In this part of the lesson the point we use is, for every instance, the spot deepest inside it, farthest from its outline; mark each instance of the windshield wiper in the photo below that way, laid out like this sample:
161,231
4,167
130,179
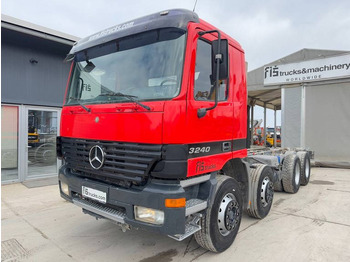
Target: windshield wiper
130,97
77,100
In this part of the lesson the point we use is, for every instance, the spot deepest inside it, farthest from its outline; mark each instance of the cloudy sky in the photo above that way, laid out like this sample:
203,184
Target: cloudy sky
267,30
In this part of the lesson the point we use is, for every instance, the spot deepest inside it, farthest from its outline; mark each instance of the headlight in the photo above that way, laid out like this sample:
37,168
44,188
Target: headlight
64,188
149,215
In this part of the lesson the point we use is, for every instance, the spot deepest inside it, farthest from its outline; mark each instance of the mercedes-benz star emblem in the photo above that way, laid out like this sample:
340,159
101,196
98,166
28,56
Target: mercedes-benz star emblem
96,157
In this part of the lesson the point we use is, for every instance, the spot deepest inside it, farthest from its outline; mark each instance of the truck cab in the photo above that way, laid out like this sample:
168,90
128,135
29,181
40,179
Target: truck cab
155,110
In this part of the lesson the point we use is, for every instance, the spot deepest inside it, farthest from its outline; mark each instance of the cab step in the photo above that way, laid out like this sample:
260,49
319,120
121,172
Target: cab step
100,210
195,205
190,228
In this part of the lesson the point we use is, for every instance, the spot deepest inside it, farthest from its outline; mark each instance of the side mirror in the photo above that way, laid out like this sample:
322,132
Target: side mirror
223,65
89,66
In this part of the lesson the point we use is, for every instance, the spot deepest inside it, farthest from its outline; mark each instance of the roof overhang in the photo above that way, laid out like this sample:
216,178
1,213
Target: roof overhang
24,27
270,98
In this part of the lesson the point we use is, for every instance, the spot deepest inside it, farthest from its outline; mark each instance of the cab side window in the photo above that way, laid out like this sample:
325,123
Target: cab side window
203,85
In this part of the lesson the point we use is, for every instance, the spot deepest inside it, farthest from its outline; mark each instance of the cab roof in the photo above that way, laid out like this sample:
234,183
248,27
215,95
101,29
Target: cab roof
178,18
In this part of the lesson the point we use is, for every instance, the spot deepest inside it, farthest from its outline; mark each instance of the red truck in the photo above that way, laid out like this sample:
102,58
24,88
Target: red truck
154,132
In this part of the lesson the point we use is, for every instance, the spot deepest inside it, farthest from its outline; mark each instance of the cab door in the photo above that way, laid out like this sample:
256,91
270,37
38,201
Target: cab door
216,125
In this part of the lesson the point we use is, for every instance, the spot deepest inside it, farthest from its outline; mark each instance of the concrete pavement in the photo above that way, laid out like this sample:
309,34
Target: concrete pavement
312,225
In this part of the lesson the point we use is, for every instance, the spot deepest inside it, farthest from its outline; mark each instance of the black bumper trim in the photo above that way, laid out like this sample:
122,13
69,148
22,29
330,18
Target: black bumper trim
152,195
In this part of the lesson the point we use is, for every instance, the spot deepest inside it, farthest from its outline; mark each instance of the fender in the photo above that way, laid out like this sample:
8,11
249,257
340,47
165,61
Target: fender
238,170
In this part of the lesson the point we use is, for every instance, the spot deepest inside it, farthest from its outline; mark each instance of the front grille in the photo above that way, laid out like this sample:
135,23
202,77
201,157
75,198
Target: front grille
123,161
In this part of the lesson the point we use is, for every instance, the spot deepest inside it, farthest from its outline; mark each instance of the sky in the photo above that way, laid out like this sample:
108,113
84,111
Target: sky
267,30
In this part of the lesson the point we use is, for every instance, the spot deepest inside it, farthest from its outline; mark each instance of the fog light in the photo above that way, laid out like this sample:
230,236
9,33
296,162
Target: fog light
64,188
149,215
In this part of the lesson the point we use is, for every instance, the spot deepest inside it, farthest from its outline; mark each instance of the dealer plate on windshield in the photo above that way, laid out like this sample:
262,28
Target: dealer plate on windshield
94,194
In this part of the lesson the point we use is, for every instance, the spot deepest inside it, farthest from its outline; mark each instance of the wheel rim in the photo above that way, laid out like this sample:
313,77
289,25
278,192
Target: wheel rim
307,169
297,174
228,215
266,192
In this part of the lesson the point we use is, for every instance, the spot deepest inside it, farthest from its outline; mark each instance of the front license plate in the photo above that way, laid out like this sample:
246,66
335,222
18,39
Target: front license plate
94,194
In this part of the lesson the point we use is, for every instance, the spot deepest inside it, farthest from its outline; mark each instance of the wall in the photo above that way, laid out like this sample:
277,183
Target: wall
327,121
291,117
22,82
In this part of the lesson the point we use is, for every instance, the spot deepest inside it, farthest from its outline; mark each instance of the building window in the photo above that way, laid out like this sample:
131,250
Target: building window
42,133
9,143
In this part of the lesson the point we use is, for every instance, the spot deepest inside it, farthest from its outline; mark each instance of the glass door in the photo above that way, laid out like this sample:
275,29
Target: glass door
9,143
41,143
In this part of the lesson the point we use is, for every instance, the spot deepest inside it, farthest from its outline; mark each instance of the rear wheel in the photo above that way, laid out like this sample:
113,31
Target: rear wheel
262,191
305,167
291,173
222,219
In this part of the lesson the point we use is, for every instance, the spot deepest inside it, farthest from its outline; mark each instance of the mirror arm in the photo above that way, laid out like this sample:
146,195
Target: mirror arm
218,57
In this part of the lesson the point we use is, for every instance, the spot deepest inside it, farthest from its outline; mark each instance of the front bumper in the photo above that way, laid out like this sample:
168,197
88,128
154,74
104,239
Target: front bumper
121,201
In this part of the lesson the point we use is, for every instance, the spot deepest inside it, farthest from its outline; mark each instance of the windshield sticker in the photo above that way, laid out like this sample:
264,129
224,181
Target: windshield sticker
111,30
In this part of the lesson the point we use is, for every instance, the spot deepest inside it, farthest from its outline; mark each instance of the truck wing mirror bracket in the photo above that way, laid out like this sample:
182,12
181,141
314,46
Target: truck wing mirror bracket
201,112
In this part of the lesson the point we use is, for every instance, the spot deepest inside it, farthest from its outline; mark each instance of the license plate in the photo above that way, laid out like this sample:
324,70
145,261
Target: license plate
94,194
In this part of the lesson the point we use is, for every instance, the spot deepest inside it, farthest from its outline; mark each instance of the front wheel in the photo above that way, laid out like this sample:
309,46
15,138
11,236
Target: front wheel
222,219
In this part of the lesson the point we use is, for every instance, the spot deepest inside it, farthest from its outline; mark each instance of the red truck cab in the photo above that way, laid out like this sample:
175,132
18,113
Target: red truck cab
148,122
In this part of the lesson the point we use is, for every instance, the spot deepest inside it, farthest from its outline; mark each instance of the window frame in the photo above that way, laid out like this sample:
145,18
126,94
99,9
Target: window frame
227,79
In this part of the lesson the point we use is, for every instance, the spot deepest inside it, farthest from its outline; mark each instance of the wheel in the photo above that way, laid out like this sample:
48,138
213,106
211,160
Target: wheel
222,219
262,191
305,167
291,173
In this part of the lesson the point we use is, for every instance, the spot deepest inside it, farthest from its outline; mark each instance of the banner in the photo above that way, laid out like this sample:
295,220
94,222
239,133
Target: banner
306,71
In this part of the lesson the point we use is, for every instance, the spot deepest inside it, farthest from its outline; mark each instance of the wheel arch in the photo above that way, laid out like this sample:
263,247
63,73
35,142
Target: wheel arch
238,170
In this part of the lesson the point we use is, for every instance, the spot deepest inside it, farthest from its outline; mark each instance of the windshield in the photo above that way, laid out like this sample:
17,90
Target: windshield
146,66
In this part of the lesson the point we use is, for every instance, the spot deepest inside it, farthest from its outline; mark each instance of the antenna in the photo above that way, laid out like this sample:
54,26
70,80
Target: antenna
194,5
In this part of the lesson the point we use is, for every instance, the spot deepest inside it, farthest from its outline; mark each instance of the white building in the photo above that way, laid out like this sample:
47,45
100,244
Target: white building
312,88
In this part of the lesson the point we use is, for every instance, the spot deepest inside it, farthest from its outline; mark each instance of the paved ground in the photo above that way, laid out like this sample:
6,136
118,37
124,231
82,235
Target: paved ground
313,225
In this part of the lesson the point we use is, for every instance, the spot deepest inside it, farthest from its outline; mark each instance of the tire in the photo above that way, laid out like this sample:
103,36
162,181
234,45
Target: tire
262,191
214,234
305,167
291,173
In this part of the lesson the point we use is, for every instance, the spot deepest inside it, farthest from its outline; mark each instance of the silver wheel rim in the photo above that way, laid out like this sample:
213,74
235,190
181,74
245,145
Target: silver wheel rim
228,214
266,191
307,169
297,174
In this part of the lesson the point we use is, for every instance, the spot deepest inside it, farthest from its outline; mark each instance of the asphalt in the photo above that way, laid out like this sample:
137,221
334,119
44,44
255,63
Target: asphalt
312,225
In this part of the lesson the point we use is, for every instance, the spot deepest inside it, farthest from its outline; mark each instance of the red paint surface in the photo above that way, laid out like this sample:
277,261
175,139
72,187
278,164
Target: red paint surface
174,121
